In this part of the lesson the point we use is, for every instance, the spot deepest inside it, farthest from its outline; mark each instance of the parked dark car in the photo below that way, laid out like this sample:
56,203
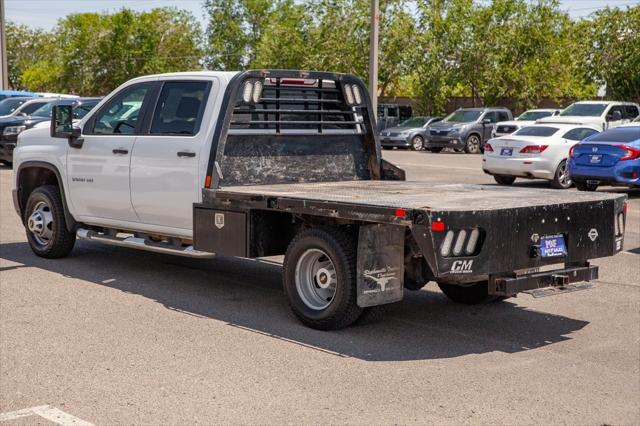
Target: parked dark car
21,106
411,133
466,129
12,126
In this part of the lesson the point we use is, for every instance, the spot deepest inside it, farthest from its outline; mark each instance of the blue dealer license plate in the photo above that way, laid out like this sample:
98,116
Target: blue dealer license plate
507,152
596,159
553,246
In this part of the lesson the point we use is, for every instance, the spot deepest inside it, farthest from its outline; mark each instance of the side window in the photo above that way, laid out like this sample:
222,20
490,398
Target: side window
491,115
28,109
503,116
81,110
632,111
579,134
179,108
120,114
614,111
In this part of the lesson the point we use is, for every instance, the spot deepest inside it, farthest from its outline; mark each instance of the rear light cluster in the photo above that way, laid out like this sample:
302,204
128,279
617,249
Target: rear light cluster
620,221
463,242
631,153
571,150
488,147
533,149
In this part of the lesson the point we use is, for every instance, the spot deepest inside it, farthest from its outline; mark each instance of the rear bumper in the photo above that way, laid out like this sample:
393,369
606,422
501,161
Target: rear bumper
535,167
509,286
618,174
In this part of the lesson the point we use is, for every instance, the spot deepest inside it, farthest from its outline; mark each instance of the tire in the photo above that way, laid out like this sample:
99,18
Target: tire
417,143
472,145
313,255
561,179
45,223
386,147
504,179
371,315
473,294
436,150
584,186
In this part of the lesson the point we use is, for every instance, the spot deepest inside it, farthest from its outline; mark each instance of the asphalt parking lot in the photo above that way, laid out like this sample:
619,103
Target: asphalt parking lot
113,336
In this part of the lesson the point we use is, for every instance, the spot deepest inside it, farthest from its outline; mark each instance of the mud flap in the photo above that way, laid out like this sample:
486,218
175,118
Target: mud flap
380,264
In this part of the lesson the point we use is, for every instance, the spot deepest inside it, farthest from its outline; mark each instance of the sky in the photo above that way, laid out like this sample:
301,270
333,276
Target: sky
45,13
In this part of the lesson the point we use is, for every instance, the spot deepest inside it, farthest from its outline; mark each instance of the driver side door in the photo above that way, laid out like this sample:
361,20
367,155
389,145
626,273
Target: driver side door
98,171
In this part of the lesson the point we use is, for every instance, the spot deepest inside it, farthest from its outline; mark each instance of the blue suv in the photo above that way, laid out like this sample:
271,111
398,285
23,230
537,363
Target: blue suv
608,158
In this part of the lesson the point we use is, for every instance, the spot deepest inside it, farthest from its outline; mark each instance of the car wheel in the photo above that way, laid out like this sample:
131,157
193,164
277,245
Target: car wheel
436,150
584,186
472,146
471,294
562,179
45,224
320,278
417,143
504,179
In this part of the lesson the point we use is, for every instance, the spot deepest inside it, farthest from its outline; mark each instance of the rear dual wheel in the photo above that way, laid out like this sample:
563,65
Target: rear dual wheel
320,278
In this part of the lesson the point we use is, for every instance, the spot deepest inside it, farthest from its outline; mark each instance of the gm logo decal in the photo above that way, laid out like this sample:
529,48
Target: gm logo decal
462,267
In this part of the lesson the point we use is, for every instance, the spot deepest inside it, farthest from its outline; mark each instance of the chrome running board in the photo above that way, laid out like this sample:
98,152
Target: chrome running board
141,244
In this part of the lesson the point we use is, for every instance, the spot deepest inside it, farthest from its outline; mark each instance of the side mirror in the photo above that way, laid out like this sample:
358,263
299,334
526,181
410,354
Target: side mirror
61,121
615,116
62,126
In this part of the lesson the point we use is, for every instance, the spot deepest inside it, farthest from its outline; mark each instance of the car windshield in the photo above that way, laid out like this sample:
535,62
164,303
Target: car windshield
414,122
542,131
533,115
462,116
619,135
9,105
584,110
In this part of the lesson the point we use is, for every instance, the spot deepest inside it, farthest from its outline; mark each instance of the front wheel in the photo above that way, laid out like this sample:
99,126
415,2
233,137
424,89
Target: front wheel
561,179
471,294
504,179
320,278
472,146
45,223
417,143
584,186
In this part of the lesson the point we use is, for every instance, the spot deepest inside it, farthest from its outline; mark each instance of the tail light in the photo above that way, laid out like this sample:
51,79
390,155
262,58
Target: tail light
631,153
533,149
464,242
488,147
571,150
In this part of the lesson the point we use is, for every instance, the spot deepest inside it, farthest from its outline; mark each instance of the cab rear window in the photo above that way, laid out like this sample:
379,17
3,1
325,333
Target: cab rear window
622,135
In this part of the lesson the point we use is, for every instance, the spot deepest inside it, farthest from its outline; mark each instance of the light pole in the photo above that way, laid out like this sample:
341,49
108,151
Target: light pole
4,75
373,56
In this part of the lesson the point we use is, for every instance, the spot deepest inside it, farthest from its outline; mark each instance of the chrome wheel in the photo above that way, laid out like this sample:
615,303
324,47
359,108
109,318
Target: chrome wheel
316,280
40,223
473,144
417,143
563,177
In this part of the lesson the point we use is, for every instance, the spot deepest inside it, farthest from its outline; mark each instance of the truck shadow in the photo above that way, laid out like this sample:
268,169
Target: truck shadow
247,294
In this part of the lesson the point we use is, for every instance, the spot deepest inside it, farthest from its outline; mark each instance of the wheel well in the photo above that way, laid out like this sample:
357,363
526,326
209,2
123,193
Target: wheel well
33,176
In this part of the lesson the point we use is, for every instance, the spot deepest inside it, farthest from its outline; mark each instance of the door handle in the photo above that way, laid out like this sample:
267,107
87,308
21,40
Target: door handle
120,151
186,154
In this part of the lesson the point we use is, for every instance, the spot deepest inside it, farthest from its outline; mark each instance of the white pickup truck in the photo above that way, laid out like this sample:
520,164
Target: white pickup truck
602,114
269,162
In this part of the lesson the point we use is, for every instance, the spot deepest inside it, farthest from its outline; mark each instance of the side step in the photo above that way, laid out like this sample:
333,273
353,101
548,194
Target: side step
142,244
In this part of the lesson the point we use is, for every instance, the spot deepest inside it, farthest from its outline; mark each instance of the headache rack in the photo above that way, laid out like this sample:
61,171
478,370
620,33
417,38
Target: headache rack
285,105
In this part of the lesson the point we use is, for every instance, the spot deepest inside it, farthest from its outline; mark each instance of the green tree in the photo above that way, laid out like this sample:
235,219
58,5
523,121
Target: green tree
26,46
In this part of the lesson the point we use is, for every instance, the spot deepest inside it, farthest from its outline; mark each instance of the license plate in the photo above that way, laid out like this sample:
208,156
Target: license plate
553,246
507,152
595,159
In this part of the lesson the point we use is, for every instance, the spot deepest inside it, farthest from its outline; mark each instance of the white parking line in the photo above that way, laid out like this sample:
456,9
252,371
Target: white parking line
46,412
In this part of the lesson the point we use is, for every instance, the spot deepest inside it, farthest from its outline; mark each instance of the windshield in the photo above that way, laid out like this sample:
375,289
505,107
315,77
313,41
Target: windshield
462,116
414,122
584,110
9,105
543,131
533,115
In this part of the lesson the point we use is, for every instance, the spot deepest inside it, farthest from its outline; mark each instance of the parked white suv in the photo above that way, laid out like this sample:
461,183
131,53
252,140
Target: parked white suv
527,118
604,114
